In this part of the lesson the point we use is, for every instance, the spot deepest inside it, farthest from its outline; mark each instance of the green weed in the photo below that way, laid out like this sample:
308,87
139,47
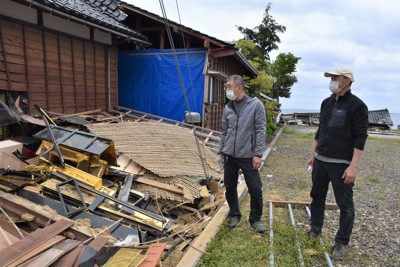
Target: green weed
374,179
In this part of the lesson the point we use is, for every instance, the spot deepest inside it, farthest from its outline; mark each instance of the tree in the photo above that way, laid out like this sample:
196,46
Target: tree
282,69
265,35
256,46
275,79
263,82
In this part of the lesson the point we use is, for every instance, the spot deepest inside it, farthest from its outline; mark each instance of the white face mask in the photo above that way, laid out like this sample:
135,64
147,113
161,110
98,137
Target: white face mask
230,95
334,87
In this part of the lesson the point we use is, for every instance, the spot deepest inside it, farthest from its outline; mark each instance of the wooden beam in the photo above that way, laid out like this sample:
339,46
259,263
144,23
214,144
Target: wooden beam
199,245
60,73
51,255
38,250
46,78
20,205
34,240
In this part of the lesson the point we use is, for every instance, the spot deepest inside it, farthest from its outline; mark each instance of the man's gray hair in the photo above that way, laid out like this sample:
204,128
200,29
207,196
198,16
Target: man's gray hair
237,79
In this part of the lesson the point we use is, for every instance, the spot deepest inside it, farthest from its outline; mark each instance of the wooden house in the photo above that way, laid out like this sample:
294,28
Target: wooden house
60,54
221,59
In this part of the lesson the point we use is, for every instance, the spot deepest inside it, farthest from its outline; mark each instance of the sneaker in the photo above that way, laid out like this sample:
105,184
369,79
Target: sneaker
233,222
311,234
338,251
258,227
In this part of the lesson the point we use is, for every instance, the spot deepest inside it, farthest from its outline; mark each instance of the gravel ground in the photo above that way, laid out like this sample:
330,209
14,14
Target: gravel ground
376,234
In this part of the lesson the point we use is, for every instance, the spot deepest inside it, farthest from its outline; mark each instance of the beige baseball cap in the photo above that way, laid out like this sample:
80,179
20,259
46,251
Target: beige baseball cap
342,70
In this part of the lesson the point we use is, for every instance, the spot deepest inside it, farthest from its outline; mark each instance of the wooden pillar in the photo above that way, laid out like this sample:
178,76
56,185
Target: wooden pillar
162,39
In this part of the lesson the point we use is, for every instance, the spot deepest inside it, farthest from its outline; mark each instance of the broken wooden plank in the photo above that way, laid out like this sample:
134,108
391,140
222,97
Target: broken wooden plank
12,222
153,255
7,226
6,239
160,185
37,250
199,246
95,244
43,217
70,258
61,115
51,255
98,242
27,244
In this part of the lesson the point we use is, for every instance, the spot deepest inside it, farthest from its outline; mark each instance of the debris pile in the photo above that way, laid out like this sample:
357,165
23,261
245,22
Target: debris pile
101,193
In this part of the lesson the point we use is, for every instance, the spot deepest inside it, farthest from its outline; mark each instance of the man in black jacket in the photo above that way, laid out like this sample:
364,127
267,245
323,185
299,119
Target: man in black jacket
336,154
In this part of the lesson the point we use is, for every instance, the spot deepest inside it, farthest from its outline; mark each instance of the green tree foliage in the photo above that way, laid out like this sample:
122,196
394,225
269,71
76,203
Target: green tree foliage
275,78
282,69
265,35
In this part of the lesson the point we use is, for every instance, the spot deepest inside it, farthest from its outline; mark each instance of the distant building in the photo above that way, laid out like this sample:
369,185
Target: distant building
376,118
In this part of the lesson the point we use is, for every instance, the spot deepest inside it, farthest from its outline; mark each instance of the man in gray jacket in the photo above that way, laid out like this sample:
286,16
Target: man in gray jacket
242,146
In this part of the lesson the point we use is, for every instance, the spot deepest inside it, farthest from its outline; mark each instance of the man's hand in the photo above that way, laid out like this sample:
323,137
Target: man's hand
256,162
310,161
349,175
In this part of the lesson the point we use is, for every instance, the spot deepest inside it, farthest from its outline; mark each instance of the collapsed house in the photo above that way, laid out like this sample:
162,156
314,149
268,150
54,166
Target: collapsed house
122,184
377,119
109,180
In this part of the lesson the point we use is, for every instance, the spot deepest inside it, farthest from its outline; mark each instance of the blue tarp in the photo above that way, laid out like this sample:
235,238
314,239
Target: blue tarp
149,82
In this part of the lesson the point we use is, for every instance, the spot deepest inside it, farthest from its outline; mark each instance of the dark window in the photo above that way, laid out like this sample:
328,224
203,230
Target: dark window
214,86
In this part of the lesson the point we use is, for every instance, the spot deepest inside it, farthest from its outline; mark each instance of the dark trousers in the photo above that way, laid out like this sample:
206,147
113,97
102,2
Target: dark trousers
323,173
253,182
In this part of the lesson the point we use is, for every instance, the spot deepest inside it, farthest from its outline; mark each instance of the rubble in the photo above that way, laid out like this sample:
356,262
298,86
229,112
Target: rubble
131,183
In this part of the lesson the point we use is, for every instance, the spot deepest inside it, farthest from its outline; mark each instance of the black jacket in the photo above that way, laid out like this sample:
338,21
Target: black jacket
343,126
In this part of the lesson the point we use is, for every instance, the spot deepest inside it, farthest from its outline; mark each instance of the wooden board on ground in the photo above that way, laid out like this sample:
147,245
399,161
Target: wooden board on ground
51,255
29,243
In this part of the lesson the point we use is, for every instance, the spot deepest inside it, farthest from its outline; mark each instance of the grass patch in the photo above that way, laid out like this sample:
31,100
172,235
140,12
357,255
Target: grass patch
287,130
374,179
301,185
243,247
238,247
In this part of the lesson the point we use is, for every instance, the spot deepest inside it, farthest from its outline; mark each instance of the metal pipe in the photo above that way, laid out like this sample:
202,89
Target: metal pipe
271,236
321,241
297,240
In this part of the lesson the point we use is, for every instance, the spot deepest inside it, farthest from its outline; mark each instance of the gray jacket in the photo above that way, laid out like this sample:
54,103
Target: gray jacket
243,135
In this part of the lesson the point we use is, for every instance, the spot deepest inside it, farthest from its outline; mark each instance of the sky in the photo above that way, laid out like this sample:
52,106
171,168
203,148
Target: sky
363,35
